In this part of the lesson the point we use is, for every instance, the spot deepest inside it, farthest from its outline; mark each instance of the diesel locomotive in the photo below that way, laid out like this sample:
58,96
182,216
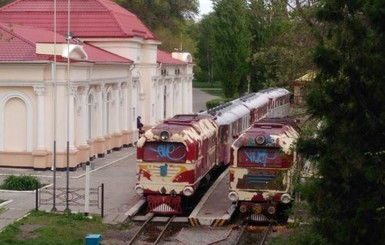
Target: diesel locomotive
264,168
176,156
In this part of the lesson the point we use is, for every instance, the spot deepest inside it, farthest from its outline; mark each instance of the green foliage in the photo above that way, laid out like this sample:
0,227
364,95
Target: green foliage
20,183
169,20
41,228
231,39
216,102
255,44
349,145
202,84
5,2
299,236
205,51
282,42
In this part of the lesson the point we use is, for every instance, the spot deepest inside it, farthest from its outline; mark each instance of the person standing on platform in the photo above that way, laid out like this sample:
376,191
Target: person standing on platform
139,126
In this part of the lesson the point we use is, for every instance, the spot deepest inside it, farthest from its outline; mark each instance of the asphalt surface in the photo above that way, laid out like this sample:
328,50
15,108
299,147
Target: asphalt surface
116,171
200,98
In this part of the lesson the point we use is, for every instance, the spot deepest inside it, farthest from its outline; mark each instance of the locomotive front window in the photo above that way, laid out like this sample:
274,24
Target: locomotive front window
164,152
259,157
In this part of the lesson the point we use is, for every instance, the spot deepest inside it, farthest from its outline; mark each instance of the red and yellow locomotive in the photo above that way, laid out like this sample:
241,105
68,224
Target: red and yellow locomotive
176,155
263,169
173,158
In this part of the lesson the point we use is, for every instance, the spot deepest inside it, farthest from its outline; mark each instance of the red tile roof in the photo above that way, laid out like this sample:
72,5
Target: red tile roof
18,43
89,18
16,48
166,58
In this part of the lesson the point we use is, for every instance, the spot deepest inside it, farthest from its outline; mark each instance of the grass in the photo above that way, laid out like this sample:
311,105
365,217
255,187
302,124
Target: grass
214,89
20,183
41,228
303,235
202,85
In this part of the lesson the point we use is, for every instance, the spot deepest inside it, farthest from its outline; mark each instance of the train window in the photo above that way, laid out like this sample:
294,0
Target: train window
164,152
259,157
222,134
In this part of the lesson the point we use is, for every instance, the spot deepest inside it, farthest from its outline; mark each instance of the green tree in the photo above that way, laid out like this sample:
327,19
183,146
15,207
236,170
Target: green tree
205,50
5,2
348,99
231,41
282,42
168,20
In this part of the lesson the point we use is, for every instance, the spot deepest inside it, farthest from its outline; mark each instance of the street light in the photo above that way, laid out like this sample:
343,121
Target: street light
54,94
68,38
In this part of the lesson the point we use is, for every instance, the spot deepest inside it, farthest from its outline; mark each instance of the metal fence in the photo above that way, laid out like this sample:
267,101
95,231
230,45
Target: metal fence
75,198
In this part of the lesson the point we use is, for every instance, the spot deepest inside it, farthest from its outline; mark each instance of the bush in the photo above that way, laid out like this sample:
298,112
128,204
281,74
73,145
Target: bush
216,102
299,236
20,183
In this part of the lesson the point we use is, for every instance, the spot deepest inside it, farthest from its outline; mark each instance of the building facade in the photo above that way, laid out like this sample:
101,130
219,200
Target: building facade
73,82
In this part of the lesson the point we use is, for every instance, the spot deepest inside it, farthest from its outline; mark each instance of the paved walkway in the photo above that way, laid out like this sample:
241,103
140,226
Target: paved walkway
200,98
116,171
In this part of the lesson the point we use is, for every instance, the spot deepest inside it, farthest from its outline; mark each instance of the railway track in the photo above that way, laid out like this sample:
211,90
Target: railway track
266,234
261,240
150,232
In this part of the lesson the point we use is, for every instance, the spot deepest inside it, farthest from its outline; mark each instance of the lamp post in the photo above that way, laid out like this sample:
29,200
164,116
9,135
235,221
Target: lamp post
69,37
54,93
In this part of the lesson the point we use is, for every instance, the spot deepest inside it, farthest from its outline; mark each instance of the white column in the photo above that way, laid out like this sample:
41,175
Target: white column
83,115
116,115
40,92
185,95
125,108
71,116
189,95
134,104
100,104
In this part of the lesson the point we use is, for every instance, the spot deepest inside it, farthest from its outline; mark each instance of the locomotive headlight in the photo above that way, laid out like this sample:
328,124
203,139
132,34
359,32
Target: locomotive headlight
257,208
285,198
260,140
271,210
188,191
164,135
139,189
243,209
233,196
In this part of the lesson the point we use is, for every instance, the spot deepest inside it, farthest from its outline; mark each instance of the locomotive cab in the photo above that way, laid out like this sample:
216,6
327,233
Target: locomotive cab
263,169
173,158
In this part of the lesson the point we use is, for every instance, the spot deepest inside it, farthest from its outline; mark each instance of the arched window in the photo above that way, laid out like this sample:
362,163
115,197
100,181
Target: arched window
16,128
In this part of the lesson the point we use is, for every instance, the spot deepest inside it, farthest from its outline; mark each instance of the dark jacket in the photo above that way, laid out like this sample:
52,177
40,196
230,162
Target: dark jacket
139,124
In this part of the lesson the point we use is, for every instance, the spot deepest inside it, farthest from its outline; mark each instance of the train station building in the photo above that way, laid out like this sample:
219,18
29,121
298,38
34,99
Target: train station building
72,83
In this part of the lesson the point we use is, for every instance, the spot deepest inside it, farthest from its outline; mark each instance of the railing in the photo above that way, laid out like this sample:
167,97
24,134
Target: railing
76,197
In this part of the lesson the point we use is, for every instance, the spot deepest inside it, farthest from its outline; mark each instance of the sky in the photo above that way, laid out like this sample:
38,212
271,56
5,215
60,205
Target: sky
205,7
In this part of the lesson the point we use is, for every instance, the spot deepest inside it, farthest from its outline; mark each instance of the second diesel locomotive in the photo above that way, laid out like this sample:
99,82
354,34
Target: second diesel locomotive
263,169
176,155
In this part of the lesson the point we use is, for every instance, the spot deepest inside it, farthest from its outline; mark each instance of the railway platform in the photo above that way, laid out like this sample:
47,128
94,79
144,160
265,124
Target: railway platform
214,209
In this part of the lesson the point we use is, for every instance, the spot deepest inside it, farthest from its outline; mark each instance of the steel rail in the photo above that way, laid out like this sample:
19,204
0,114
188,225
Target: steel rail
164,229
151,215
264,238
241,233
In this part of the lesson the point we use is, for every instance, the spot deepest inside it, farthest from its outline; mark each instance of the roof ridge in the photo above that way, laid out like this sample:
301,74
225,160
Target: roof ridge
110,10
